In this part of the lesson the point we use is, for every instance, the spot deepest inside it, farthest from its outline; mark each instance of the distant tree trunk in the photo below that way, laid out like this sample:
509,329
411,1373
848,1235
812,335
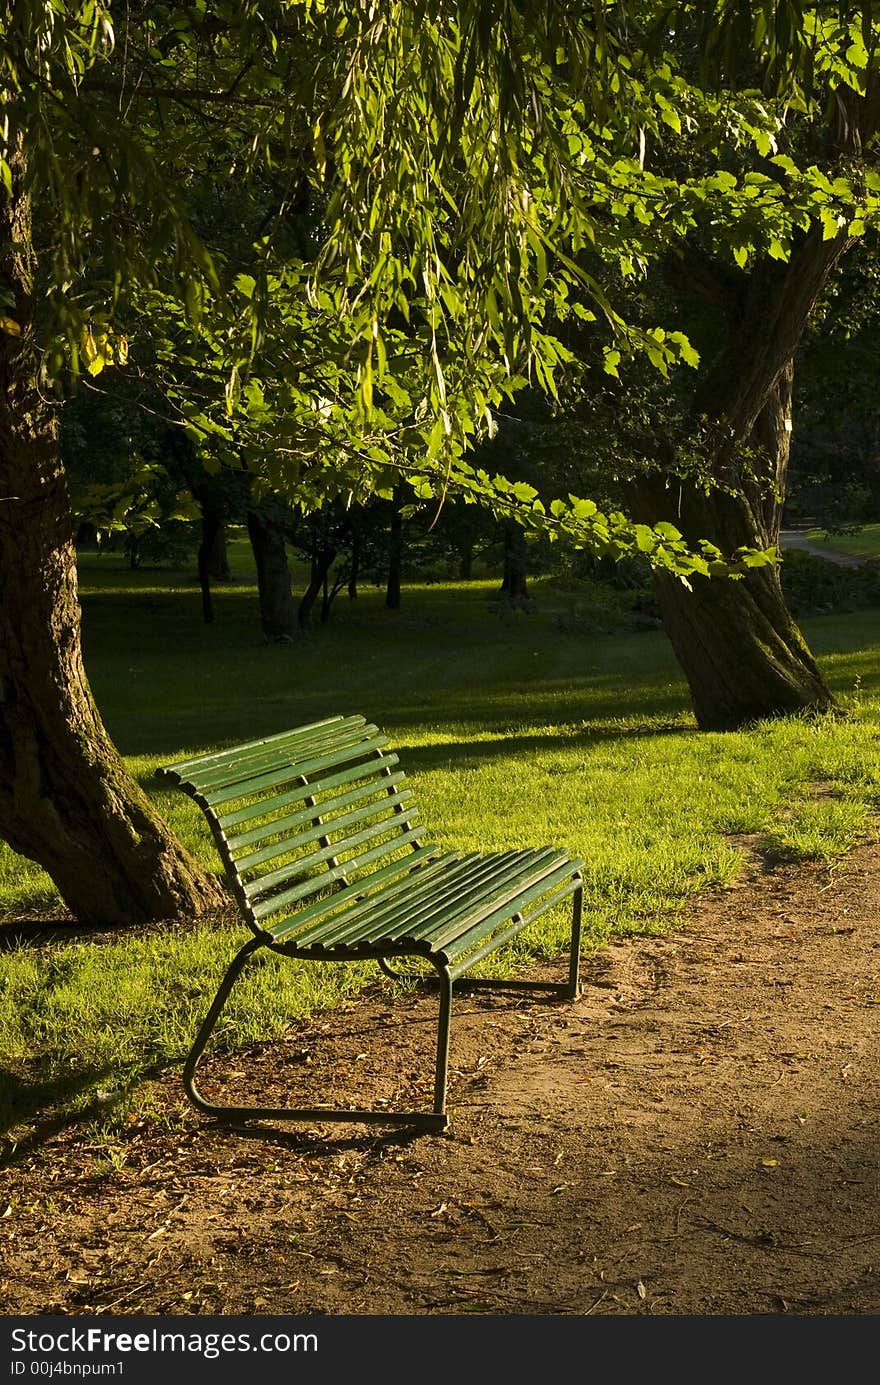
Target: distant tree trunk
514,581
740,649
212,560
465,561
67,800
395,553
213,564
277,610
216,555
322,561
354,570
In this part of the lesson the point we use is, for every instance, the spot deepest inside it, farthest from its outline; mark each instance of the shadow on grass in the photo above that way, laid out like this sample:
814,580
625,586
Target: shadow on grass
469,754
457,754
48,1103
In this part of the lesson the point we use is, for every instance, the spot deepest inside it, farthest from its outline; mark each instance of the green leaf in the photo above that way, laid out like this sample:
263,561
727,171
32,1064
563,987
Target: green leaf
611,362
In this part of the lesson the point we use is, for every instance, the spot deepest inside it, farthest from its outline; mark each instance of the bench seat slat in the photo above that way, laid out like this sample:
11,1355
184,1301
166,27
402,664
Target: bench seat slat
413,919
492,881
480,914
474,954
453,947
344,910
421,862
375,917
509,888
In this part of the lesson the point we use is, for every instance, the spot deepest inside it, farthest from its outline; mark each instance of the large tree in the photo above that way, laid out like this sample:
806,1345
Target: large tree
453,153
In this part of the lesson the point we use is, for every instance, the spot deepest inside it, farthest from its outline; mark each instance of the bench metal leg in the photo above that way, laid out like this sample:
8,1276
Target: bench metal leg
423,1120
577,915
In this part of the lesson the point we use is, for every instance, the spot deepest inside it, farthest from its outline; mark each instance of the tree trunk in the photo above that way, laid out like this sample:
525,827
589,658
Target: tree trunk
216,556
514,581
66,798
395,554
741,651
277,613
212,560
322,561
355,568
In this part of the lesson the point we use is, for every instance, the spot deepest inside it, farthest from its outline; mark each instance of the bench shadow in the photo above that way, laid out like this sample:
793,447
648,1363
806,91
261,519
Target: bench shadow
23,1097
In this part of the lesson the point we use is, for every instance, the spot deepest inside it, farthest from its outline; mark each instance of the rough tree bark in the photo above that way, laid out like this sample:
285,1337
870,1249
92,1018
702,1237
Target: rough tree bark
66,798
740,649
742,654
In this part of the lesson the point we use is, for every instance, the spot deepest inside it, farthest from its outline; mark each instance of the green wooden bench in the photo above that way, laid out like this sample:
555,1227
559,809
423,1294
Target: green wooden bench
326,859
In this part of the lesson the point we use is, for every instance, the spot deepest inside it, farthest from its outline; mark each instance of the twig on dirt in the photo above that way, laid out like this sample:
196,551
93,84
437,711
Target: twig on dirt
105,1307
593,1306
761,1242
164,1225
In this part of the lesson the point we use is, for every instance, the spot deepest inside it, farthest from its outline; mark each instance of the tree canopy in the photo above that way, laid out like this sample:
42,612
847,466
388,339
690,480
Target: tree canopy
408,205
333,238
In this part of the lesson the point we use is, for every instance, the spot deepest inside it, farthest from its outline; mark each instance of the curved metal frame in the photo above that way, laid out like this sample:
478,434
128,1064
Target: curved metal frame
424,1120
435,1120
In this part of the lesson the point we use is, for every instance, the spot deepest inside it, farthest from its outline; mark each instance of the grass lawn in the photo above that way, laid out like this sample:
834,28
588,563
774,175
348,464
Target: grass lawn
864,544
516,729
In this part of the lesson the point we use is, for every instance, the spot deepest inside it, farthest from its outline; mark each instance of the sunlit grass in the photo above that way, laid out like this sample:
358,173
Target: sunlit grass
514,732
863,544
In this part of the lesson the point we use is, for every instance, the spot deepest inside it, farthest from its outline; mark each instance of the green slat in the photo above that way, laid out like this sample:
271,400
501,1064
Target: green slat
327,828
507,881
417,863
374,767
292,751
265,907
299,867
411,917
182,766
240,770
353,927
481,894
482,889
455,946
356,750
337,927
502,906
405,916
452,928
327,805
499,939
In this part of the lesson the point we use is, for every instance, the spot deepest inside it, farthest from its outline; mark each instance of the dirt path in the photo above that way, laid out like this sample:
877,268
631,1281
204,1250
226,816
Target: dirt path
697,1134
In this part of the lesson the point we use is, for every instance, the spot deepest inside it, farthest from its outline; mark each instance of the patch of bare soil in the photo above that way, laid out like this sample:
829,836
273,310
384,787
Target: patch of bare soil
697,1134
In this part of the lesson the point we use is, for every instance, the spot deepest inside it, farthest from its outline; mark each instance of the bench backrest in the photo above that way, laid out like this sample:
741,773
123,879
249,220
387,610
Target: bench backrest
319,805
